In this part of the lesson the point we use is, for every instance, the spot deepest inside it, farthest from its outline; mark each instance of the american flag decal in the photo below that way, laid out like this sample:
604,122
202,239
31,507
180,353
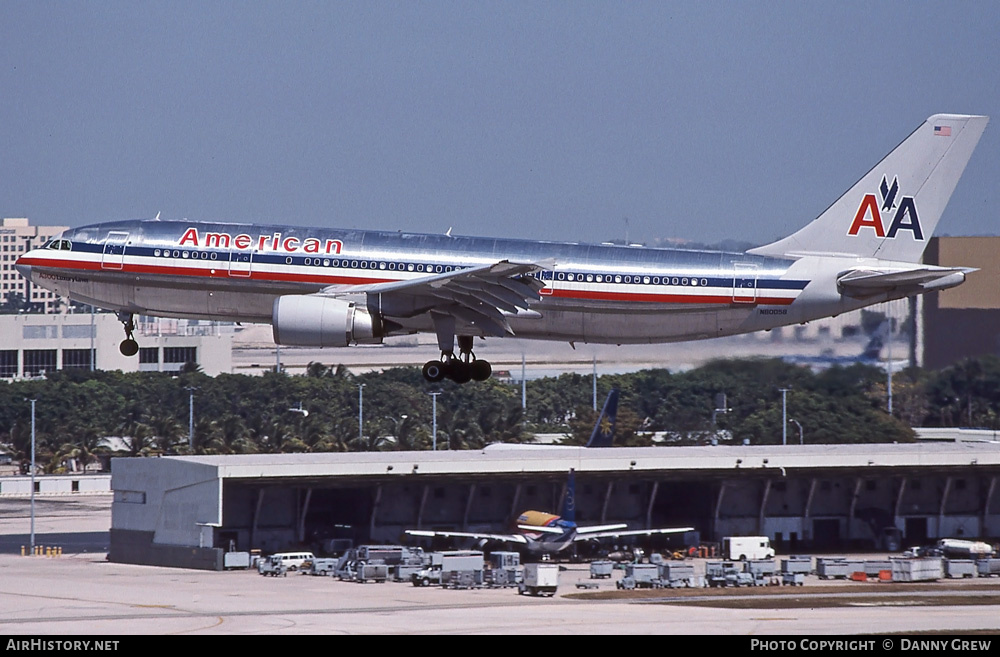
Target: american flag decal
942,131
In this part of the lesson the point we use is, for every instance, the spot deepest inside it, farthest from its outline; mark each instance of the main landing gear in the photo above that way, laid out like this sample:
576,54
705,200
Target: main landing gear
128,346
462,368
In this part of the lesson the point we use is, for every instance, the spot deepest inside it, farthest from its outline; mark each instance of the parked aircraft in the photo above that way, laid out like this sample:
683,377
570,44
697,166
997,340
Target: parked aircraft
603,434
871,354
329,288
541,533
957,548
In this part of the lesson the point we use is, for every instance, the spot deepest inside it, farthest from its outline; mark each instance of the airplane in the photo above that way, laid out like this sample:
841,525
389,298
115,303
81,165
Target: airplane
540,533
871,354
603,434
322,287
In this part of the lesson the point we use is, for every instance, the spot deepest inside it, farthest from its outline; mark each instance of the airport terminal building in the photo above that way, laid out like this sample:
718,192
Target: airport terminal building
187,511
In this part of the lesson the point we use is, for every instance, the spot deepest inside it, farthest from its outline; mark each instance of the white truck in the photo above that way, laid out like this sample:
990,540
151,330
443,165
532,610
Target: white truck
539,579
442,564
744,548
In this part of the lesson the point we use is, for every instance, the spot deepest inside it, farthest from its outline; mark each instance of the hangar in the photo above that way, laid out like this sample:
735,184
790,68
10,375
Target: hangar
186,511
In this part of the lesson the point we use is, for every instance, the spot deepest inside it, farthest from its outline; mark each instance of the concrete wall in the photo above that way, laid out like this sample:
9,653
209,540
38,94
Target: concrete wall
56,484
171,498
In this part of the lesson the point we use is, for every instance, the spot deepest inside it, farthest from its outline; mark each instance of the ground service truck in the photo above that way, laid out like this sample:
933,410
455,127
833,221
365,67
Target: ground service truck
442,564
744,548
539,579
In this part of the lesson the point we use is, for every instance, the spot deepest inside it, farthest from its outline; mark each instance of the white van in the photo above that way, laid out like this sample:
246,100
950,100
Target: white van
741,548
294,560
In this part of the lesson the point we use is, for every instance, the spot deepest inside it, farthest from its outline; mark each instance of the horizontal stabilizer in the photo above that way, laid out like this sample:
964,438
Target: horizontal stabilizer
869,282
541,528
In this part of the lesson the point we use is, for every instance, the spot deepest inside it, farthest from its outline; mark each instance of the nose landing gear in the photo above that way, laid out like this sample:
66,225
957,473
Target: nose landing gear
128,346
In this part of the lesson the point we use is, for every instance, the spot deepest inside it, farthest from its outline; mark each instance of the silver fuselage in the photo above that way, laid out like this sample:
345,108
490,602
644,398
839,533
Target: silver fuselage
593,292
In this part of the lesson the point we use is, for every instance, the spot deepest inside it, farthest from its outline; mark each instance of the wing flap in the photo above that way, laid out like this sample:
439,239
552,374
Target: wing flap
478,296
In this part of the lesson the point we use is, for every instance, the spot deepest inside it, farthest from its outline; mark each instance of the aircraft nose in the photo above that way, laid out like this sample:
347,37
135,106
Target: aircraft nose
23,270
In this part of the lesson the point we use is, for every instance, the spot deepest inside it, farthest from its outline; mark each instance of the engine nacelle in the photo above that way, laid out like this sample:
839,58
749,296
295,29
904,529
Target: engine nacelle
314,321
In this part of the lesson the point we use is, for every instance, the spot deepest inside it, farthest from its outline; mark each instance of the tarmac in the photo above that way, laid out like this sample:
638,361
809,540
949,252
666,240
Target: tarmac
254,352
80,593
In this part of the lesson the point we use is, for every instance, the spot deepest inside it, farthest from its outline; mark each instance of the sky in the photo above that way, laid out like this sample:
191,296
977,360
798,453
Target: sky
577,121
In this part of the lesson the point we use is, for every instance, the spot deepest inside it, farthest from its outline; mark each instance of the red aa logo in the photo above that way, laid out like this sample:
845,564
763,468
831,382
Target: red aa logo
904,216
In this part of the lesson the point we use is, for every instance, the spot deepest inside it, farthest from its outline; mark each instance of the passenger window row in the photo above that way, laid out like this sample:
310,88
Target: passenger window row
383,265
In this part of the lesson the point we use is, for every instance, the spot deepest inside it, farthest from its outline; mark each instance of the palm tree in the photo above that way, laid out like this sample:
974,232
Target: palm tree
138,438
84,449
410,434
317,370
167,431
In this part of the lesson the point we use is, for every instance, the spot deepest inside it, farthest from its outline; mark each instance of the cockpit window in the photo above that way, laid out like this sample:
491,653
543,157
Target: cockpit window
59,245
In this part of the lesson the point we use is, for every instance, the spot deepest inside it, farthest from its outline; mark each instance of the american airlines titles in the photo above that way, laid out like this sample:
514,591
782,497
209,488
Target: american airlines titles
273,242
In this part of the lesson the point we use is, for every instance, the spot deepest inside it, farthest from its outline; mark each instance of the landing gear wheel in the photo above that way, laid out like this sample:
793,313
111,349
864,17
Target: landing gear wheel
469,368
460,369
128,346
481,370
460,372
434,370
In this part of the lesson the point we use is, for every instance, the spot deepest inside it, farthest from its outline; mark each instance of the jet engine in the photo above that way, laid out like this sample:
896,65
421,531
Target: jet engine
315,321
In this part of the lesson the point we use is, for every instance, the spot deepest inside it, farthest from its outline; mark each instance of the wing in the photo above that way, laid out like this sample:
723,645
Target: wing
503,538
476,295
604,533
587,531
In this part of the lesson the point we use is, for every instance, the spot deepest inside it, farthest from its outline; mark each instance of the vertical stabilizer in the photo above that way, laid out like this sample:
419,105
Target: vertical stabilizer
873,350
603,434
569,503
893,210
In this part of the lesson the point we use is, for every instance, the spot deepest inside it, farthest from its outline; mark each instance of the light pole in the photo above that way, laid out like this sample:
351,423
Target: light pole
32,475
524,385
434,422
361,411
93,352
720,407
888,364
595,382
190,390
800,429
784,416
